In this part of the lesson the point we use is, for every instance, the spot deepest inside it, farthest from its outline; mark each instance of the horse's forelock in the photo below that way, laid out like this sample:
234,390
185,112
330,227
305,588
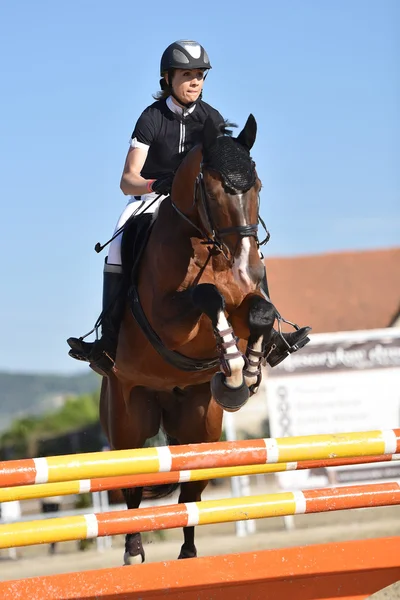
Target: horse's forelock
226,128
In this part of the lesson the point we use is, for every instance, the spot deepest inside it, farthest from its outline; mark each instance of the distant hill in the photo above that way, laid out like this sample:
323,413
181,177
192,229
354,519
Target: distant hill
22,394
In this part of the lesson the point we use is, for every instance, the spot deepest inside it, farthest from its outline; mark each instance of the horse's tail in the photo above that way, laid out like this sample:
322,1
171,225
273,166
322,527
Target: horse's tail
163,490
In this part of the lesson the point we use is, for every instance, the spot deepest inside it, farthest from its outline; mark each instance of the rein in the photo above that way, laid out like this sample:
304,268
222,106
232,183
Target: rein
215,240
99,247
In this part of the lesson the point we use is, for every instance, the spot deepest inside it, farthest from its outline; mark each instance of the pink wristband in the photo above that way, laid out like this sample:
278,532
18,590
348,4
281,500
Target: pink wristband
149,184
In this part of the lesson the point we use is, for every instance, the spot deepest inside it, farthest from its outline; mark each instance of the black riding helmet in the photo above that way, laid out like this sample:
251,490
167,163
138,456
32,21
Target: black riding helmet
184,54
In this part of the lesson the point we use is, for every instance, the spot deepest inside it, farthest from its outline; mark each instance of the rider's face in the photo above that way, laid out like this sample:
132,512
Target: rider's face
187,84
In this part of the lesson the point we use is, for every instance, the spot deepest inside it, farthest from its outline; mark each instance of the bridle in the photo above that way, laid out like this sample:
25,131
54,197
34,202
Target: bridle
215,240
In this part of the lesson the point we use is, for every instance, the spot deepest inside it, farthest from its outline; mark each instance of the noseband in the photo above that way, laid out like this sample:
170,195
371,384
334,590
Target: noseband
241,230
215,239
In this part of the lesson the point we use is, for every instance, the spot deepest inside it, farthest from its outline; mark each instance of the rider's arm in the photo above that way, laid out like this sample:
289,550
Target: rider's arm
132,183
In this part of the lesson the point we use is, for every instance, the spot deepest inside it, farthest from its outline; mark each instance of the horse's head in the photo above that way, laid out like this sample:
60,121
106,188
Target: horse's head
227,198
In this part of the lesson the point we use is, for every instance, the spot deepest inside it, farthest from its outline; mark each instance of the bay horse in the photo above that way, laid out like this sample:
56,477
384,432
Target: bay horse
196,324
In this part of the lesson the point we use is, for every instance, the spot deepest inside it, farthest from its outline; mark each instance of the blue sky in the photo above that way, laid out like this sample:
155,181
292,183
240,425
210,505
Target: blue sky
320,76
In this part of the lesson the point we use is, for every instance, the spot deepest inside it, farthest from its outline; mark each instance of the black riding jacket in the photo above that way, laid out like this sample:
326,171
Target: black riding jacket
169,135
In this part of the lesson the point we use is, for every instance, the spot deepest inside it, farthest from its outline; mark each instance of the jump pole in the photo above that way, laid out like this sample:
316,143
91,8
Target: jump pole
198,513
198,456
65,488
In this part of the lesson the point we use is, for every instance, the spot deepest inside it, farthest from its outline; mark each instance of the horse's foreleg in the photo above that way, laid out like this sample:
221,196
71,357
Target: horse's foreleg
253,320
129,417
252,373
228,387
260,318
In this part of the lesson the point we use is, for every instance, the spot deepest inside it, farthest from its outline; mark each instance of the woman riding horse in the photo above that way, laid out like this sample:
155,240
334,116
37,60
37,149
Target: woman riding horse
197,323
164,133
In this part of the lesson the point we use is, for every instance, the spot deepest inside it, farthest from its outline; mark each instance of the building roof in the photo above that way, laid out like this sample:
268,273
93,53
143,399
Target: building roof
340,291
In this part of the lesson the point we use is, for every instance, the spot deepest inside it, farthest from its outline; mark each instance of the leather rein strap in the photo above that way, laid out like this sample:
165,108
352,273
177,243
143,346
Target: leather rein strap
215,239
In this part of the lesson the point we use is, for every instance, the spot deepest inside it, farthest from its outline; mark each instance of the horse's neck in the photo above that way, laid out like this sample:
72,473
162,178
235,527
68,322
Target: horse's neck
173,248
184,182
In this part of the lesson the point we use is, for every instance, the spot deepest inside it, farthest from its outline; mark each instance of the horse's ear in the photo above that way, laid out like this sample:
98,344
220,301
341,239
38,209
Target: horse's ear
210,133
247,136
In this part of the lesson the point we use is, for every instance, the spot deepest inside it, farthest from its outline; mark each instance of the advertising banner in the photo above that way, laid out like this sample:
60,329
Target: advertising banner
340,382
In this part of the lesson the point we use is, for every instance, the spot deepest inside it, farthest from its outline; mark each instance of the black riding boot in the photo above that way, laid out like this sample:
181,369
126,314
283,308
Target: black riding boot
101,353
281,345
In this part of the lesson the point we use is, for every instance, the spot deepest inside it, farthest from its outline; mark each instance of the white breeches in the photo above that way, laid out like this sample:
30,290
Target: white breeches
141,206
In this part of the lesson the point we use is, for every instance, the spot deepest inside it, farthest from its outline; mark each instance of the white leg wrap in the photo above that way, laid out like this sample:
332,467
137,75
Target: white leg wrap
236,364
258,348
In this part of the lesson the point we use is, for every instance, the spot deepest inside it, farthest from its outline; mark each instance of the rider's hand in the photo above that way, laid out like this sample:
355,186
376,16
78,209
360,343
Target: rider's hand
163,184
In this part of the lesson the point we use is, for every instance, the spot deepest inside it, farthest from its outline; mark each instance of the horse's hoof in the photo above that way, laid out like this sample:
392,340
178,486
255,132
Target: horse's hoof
230,399
186,554
133,560
187,551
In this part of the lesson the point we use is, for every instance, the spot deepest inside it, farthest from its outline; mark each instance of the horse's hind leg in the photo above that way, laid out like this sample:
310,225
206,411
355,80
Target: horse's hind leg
194,418
128,423
190,492
134,551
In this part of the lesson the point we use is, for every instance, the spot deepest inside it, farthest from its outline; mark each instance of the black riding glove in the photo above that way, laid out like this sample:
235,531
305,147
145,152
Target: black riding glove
163,184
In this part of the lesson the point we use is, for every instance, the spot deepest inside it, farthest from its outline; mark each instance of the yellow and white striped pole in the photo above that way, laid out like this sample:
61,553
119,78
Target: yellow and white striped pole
197,513
198,456
65,488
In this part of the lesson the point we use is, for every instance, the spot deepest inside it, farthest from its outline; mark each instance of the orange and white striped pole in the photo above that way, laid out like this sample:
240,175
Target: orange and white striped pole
198,456
198,513
65,488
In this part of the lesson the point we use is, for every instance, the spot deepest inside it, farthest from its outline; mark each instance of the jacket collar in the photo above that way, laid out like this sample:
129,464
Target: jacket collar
179,110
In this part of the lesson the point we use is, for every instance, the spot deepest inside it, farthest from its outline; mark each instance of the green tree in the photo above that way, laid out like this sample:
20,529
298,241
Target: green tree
75,413
19,436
